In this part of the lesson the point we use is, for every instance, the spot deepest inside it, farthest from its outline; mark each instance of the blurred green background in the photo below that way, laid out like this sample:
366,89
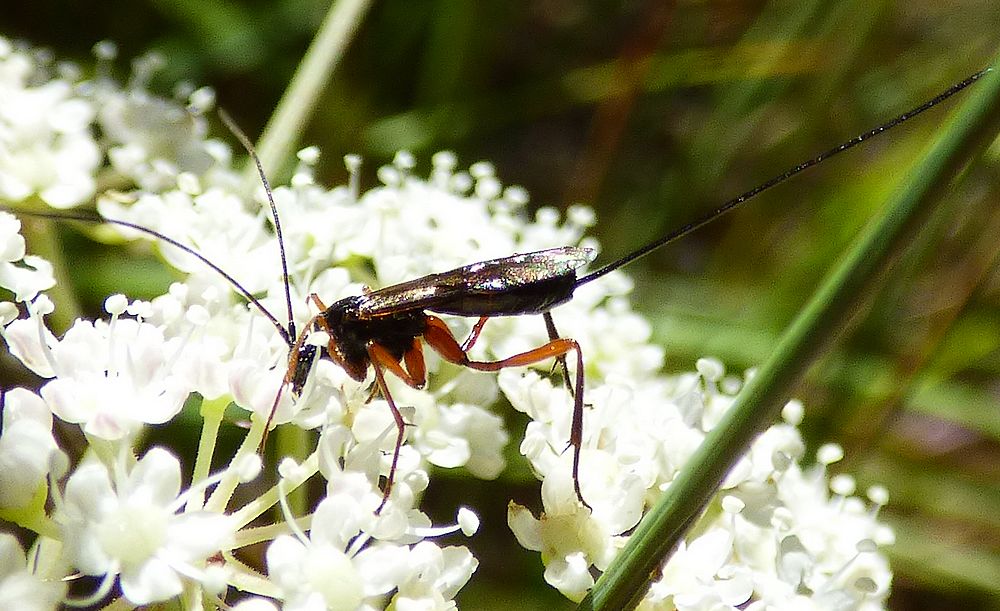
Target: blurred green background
654,112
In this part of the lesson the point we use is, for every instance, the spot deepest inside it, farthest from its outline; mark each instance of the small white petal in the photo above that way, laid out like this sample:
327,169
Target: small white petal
878,495
115,304
468,521
829,453
570,575
154,581
524,526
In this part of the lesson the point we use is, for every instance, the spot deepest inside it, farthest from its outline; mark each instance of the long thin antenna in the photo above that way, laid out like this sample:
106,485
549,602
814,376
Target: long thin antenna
85,218
274,214
736,201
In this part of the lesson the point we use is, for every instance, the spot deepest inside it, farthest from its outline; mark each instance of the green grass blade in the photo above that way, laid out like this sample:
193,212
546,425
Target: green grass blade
826,314
282,132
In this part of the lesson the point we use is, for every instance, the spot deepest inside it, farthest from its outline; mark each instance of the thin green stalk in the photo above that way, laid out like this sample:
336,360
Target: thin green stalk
282,132
827,313
223,493
212,412
255,508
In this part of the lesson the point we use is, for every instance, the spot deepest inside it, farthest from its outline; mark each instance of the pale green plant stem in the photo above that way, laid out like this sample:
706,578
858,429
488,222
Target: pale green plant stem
282,132
212,413
224,491
262,503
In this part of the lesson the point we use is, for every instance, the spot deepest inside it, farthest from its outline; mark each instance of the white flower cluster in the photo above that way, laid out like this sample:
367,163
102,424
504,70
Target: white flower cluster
140,527
775,539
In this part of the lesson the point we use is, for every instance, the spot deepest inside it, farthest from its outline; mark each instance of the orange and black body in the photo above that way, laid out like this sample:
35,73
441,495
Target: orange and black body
382,330
391,318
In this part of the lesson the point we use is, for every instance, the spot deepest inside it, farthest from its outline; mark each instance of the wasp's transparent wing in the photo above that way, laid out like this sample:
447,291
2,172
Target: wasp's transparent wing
498,287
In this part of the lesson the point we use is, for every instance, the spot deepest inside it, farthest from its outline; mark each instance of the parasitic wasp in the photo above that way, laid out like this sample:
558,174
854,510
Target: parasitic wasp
384,330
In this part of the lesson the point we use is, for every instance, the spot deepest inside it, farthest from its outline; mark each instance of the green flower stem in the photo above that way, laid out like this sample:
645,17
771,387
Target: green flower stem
255,508
827,313
246,537
223,493
282,132
212,412
249,580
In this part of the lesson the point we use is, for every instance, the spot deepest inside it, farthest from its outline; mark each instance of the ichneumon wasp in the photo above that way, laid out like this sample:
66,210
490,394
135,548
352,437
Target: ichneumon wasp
382,330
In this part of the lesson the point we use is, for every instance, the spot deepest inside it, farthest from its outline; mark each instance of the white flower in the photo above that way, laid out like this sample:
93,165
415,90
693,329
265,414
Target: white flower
46,146
636,437
569,543
27,447
704,575
128,525
19,588
28,340
255,604
461,433
352,460
11,242
338,567
314,576
214,223
113,378
23,275
434,576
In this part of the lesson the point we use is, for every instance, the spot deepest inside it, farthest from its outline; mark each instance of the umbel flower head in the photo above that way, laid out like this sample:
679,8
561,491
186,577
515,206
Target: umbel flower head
147,530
